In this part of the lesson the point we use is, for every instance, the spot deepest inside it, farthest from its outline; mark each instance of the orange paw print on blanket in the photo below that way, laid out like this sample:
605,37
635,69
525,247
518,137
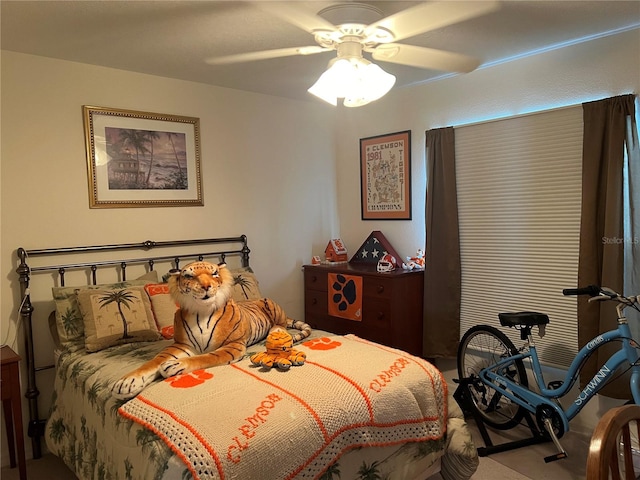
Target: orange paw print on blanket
189,380
323,343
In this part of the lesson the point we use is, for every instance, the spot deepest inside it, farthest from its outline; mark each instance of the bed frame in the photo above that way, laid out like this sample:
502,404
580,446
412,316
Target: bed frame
225,247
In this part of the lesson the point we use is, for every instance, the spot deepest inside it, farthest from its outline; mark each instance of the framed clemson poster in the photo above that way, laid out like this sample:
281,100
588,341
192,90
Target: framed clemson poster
385,176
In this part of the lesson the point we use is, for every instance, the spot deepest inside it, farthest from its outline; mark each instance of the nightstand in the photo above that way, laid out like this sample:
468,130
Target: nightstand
392,303
12,407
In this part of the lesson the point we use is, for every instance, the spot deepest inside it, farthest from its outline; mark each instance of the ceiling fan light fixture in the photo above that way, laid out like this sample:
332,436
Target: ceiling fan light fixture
354,79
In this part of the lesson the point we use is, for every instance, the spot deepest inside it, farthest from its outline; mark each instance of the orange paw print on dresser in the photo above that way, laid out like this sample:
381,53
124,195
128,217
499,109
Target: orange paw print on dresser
189,380
323,343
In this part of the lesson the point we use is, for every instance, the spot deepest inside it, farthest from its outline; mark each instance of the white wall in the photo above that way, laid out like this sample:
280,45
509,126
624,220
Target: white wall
571,75
589,71
267,168
267,165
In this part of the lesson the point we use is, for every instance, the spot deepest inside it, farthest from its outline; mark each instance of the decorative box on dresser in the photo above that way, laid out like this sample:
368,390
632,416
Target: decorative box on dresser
391,309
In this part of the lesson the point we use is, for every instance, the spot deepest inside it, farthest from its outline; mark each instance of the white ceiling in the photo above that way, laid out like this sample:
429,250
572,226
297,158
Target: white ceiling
174,38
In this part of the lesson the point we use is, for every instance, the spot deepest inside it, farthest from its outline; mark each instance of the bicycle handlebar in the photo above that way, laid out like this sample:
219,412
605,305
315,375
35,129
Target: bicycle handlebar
602,294
591,290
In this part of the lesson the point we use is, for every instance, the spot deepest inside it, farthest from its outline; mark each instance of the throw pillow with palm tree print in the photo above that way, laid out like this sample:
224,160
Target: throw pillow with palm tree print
117,316
69,322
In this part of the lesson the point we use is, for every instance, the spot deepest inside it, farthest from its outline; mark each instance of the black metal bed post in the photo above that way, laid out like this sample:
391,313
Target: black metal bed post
245,251
32,393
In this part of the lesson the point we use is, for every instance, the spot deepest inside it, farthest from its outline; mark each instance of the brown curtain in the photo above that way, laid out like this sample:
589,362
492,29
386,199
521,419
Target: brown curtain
442,253
601,252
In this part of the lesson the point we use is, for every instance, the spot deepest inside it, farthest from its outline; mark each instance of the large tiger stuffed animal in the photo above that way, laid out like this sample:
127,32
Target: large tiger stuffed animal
210,328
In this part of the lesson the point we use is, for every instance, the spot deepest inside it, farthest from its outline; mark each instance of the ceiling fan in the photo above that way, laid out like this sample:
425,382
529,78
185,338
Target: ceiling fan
353,28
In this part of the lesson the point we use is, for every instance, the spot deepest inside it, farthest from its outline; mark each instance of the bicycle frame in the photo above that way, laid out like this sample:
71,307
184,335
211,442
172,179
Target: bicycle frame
495,377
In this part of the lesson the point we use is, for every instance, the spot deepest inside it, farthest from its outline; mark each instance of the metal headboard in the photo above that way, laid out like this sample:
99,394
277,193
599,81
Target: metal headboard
25,272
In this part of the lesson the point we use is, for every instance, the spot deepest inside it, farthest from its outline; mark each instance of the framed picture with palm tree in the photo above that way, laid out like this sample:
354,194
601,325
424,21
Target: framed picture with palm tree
142,159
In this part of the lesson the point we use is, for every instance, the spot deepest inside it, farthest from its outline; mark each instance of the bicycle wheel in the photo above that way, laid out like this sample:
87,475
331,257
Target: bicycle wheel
627,452
480,347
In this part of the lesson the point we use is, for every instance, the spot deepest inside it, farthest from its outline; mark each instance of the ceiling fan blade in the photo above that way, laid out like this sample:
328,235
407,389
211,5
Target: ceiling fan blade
430,16
266,54
296,15
422,57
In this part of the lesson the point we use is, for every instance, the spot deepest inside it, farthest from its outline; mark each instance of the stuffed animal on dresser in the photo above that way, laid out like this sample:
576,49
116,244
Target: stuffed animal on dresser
415,263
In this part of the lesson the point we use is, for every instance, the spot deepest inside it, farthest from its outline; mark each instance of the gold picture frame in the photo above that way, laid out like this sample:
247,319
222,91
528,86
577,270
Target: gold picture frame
385,176
142,159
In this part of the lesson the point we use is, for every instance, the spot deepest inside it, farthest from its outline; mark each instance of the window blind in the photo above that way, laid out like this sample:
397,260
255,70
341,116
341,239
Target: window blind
519,194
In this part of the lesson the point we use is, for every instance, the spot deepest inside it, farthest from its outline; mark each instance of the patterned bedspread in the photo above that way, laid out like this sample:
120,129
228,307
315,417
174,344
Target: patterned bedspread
349,394
89,430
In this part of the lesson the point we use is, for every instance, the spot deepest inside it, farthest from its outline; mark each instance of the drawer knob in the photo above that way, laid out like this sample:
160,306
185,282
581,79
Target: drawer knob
380,288
314,301
380,315
314,279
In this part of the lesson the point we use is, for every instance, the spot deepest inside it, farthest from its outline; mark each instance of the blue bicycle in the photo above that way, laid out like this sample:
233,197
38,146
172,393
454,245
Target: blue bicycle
492,371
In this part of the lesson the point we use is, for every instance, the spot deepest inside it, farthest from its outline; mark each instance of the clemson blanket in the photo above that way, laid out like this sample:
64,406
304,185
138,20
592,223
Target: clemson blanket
242,421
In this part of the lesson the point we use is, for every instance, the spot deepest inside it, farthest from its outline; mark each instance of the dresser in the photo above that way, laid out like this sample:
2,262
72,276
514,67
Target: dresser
388,306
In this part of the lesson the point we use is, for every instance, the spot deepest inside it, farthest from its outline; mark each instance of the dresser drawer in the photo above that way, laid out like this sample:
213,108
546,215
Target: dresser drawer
323,322
377,287
315,301
391,308
314,280
377,313
371,330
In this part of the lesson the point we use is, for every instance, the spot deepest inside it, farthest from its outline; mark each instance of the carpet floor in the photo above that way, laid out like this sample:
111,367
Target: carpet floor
525,463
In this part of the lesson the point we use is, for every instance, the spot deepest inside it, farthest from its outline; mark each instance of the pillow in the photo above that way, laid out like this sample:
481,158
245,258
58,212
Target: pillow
245,285
68,317
164,308
116,316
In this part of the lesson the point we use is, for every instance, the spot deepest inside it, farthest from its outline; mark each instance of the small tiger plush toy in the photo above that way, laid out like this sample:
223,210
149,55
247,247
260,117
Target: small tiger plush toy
280,352
210,328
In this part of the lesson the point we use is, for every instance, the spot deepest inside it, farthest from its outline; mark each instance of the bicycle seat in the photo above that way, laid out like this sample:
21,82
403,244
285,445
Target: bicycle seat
528,319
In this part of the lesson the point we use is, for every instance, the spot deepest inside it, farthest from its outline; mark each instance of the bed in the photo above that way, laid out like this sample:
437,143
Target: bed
355,409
